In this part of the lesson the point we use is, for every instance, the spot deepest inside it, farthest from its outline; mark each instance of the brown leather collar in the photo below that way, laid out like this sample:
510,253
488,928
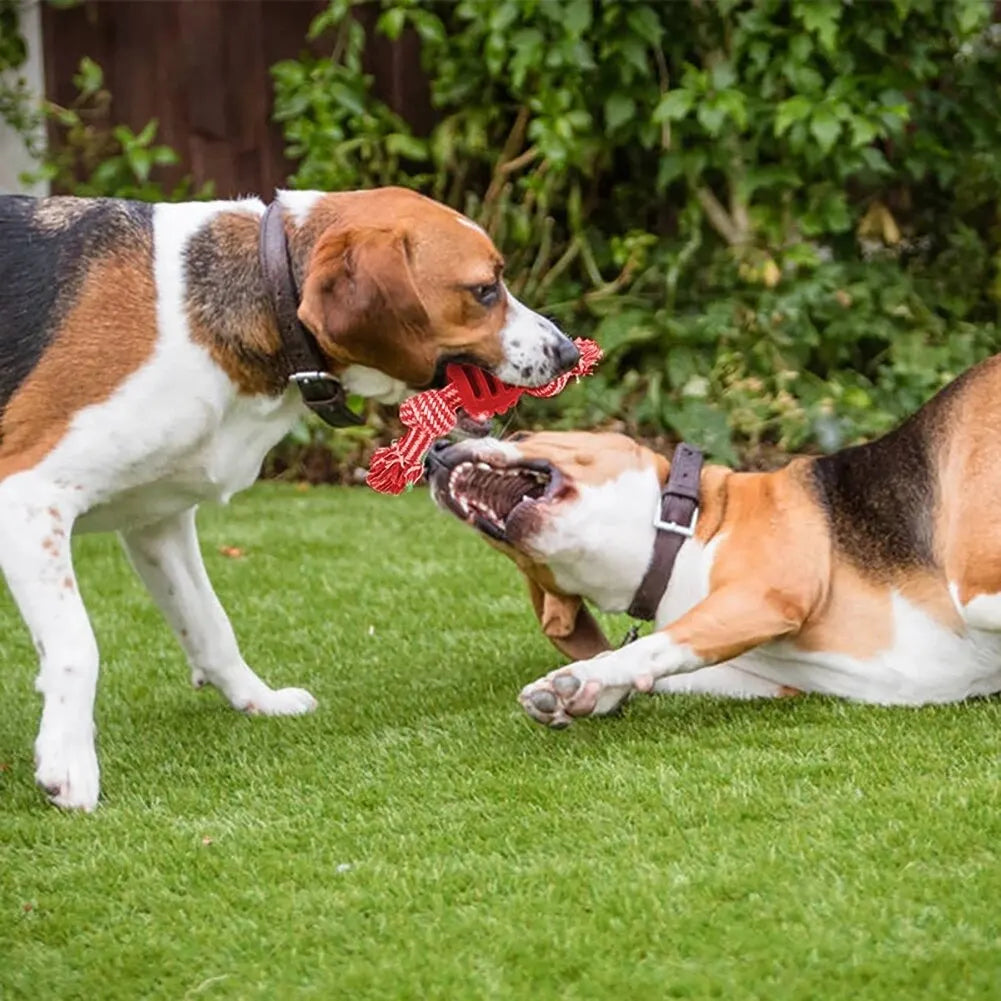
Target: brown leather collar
321,391
679,511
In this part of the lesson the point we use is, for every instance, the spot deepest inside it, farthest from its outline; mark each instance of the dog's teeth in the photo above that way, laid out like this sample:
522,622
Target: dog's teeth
483,465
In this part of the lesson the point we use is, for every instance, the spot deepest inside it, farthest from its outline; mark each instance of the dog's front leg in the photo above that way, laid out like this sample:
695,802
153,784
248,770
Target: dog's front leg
727,623
167,558
35,528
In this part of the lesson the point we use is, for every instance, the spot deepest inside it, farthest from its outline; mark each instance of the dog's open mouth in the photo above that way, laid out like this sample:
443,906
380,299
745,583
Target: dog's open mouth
492,498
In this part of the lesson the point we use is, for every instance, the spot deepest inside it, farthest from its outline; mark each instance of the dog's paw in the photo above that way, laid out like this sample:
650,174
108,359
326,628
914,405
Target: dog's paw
563,695
66,768
245,691
279,702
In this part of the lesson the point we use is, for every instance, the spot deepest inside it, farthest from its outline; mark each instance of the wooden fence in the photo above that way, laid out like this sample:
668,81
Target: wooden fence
200,67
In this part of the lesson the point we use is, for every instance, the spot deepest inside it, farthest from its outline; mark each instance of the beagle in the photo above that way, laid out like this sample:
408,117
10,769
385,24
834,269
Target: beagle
146,353
873,573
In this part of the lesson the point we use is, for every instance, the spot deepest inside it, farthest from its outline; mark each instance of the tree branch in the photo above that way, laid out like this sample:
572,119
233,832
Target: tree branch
719,218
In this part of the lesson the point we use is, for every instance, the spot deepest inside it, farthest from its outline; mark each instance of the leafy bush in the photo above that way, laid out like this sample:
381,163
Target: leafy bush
17,108
780,217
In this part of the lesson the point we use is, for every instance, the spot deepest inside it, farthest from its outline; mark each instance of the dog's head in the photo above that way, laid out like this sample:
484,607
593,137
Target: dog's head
574,510
401,284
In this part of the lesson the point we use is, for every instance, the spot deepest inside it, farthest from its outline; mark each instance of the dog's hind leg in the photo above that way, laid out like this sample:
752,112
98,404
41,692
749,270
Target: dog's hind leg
35,527
167,558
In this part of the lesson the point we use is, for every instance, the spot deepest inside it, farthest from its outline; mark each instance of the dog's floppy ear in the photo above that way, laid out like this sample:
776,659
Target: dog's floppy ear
565,619
360,302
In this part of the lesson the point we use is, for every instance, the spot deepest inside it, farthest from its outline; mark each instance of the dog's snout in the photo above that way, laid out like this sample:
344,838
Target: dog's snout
567,354
536,351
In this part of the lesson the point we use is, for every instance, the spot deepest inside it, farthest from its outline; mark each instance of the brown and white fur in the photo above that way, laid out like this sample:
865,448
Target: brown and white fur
873,573
141,373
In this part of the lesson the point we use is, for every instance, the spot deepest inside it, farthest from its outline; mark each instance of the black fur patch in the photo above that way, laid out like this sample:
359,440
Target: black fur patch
226,295
881,497
46,247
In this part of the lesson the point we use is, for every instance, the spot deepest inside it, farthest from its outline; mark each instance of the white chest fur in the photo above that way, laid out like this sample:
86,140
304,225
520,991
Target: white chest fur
600,545
175,432
689,582
213,468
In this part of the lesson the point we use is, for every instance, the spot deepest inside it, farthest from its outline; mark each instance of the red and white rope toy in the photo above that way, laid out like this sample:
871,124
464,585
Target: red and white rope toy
432,414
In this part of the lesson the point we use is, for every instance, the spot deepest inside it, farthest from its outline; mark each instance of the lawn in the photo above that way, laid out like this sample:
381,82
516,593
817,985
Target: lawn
419,838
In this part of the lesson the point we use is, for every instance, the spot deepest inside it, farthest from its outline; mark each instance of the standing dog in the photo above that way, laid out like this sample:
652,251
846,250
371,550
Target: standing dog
873,573
145,362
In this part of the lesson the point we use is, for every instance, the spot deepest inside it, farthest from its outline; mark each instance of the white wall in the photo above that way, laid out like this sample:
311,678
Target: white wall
14,157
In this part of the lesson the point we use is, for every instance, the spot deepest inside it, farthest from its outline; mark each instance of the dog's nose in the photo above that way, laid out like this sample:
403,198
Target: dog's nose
432,458
567,354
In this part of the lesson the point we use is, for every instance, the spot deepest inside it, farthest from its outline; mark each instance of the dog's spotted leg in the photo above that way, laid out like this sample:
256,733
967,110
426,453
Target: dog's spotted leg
727,623
35,528
167,558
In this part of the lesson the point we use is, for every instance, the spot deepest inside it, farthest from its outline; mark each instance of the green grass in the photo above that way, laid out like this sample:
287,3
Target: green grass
419,838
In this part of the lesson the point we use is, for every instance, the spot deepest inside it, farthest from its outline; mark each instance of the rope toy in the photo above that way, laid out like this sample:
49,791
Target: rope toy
432,414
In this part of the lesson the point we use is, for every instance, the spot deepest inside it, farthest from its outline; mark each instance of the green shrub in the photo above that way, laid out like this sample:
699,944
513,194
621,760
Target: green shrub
780,217
18,110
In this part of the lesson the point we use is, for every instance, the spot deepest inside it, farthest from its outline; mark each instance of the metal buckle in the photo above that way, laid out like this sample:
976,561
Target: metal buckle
324,395
672,526
300,377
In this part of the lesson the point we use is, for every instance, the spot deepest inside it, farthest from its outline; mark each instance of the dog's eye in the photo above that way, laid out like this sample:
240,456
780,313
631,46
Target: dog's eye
486,295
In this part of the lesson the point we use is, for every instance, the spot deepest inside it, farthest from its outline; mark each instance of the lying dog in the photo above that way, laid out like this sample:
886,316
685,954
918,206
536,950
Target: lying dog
146,354
873,573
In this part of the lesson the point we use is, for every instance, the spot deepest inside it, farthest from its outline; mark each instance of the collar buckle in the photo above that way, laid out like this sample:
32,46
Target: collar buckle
324,395
678,503
321,391
672,526
325,382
